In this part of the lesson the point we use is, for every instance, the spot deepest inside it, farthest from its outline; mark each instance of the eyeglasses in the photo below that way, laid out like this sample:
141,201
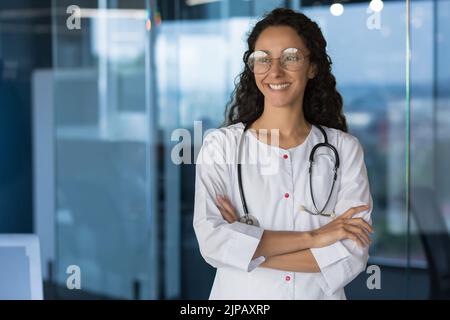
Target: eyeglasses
291,59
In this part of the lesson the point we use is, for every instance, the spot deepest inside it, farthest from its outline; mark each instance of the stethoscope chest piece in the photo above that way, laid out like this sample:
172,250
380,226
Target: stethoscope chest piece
249,219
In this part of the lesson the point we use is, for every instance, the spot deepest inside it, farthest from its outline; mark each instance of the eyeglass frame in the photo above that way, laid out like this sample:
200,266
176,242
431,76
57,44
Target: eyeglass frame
271,59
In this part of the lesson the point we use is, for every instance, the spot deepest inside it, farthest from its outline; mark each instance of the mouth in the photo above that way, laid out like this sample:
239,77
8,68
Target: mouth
278,86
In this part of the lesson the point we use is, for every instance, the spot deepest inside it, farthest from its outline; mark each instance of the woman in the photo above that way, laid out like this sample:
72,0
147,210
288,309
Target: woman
291,252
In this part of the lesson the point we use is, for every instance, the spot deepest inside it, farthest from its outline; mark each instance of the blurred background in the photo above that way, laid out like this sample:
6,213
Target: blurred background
92,90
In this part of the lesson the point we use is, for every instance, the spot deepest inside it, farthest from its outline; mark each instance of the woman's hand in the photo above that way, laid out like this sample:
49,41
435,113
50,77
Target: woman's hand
226,209
344,227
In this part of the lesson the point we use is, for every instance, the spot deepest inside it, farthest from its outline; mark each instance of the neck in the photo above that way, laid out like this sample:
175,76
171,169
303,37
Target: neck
289,120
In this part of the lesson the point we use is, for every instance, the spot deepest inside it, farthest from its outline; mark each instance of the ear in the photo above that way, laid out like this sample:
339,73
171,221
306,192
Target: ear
312,71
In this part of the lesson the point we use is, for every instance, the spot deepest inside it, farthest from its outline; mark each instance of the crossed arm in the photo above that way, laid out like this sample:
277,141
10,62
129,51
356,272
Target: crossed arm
299,261
290,250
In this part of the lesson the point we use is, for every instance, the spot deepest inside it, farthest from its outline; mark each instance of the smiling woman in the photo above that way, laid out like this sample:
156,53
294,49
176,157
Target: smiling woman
278,87
304,65
258,228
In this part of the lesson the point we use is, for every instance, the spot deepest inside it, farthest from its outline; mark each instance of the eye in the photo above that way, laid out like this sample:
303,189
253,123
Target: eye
292,58
263,60
259,57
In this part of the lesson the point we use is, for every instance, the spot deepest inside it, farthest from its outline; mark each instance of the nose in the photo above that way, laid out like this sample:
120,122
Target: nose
275,67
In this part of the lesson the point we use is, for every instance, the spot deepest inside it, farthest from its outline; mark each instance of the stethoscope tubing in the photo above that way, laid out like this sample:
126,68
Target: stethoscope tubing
247,219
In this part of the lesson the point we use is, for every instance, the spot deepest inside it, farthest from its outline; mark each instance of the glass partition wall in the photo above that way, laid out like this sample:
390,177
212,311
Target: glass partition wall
429,85
138,77
105,147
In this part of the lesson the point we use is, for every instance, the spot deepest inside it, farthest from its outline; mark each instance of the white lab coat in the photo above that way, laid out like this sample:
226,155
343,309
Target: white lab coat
276,183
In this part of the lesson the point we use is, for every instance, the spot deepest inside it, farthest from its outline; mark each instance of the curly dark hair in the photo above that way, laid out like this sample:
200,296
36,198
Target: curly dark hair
322,103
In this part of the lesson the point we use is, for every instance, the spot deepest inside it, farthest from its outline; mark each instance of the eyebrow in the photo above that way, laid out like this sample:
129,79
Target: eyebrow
268,51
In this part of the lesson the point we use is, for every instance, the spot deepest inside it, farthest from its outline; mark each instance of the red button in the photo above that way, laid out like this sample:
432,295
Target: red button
286,195
288,278
285,156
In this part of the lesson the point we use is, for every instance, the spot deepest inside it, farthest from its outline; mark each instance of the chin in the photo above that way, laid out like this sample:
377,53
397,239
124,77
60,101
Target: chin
279,103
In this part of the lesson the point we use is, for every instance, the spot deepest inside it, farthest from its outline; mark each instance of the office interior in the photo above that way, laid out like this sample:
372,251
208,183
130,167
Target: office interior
91,92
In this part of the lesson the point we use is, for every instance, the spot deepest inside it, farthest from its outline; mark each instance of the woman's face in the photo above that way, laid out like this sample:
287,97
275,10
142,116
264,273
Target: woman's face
274,40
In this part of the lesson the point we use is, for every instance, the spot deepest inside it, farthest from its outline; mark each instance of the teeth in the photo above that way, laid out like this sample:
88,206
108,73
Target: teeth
279,86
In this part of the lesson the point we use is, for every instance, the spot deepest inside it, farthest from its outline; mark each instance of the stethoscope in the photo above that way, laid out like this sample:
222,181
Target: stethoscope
251,220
